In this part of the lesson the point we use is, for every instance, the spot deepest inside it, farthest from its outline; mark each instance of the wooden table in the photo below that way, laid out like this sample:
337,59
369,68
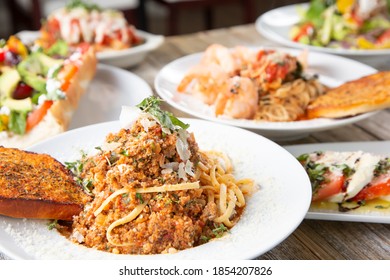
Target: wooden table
313,239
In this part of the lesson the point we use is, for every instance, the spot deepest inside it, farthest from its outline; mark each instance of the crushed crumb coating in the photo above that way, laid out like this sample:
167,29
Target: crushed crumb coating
171,221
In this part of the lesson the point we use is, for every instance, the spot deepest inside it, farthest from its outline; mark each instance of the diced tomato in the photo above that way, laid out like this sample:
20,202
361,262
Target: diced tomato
305,30
36,116
83,47
377,188
66,75
2,56
333,185
384,38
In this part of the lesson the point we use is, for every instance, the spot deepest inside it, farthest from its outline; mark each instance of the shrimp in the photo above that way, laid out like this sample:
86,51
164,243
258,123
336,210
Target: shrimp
221,56
238,99
204,82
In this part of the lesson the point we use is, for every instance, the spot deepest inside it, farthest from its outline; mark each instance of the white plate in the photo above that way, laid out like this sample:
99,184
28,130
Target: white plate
276,25
121,58
110,89
332,70
375,147
271,215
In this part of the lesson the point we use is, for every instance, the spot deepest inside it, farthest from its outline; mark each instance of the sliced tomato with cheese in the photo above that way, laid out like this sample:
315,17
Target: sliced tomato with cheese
332,185
379,187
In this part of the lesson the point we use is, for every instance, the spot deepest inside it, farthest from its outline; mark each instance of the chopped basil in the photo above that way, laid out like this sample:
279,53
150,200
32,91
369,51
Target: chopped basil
347,171
382,167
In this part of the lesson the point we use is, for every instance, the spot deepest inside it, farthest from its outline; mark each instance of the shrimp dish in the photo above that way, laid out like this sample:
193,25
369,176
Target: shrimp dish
264,85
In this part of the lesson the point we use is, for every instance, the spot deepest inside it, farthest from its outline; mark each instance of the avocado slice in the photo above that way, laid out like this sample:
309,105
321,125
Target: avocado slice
20,105
34,70
8,82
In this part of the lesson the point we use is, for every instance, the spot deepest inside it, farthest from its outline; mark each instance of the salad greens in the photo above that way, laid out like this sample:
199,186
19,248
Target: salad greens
350,24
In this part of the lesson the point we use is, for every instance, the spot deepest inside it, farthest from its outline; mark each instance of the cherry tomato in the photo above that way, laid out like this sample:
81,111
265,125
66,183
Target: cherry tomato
384,38
306,30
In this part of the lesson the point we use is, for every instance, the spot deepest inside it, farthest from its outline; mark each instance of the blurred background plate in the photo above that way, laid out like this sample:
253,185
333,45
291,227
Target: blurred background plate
276,24
121,58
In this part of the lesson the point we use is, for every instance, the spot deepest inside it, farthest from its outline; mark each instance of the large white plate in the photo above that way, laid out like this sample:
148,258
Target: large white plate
276,25
111,88
376,147
272,213
332,70
121,58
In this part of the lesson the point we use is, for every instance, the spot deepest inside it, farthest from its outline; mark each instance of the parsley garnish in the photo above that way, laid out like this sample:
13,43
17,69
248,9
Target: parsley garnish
151,105
52,225
219,230
139,197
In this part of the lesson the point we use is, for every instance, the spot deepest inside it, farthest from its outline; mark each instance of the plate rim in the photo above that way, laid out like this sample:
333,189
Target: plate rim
114,70
265,30
288,229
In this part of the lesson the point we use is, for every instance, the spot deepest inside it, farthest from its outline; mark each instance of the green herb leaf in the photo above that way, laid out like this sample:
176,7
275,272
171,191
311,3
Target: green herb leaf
139,197
81,4
17,122
52,225
166,119
219,230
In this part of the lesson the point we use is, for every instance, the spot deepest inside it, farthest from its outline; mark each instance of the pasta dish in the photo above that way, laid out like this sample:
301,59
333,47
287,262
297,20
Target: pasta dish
264,85
153,190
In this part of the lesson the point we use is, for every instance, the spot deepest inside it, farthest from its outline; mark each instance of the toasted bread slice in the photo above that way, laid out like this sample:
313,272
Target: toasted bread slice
363,95
37,186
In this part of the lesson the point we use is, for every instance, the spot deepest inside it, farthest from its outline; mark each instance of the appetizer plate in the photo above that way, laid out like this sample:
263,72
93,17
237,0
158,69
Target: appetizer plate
375,147
276,24
271,215
332,70
111,88
121,58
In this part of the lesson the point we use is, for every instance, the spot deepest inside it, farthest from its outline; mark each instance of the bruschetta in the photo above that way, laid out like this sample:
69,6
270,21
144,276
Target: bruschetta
39,92
80,22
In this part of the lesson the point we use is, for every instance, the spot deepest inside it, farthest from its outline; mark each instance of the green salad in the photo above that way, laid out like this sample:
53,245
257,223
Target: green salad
348,24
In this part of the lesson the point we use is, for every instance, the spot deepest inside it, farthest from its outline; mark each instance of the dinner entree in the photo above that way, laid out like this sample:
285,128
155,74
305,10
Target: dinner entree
263,85
347,24
151,189
348,181
269,85
83,23
40,89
